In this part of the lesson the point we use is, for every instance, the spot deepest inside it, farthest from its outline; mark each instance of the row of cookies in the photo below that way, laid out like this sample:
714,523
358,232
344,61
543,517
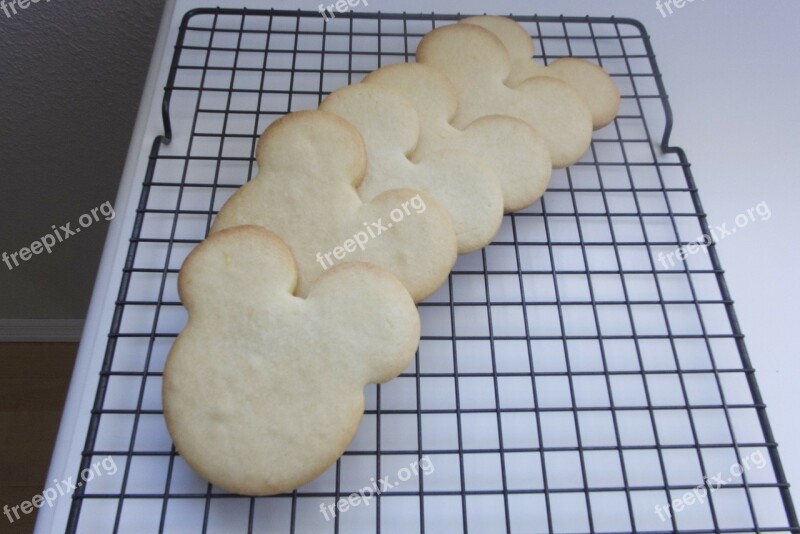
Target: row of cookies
305,290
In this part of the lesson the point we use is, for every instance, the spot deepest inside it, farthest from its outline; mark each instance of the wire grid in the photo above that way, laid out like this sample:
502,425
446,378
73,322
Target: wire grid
566,381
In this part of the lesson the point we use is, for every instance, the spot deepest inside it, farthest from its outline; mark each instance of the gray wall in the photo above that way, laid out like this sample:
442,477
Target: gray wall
71,75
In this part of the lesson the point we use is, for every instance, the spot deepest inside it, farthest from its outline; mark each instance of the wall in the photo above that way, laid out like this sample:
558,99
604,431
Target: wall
71,75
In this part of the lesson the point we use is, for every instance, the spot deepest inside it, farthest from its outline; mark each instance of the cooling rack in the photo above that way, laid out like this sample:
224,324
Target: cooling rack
568,379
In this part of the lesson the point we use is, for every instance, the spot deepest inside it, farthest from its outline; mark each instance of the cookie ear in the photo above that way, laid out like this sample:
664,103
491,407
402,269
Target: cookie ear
486,57
244,263
513,36
331,149
433,95
382,105
387,325
593,84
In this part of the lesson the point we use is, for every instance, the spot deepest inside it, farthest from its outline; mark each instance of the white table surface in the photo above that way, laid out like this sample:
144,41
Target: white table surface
732,72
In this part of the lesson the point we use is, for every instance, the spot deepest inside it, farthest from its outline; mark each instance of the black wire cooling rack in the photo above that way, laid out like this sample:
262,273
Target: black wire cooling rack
568,380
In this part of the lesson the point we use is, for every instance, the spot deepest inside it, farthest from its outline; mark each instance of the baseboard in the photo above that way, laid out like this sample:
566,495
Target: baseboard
40,330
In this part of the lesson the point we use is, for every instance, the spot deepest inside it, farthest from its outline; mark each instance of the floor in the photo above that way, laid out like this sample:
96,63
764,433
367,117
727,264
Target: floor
33,384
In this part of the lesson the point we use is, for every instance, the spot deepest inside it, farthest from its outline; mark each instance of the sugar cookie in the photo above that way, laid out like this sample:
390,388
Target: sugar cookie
478,64
263,390
516,153
464,183
591,81
310,163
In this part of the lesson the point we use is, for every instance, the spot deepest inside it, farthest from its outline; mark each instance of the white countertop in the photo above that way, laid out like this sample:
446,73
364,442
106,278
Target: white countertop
732,73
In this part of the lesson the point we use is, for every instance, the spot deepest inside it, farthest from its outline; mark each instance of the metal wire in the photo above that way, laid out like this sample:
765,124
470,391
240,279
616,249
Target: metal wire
565,382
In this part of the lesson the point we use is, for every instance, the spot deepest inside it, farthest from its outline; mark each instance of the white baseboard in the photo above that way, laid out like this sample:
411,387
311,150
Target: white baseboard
40,330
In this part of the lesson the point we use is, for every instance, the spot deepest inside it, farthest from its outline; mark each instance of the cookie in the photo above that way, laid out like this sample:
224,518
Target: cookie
591,81
263,390
310,164
477,63
465,185
516,153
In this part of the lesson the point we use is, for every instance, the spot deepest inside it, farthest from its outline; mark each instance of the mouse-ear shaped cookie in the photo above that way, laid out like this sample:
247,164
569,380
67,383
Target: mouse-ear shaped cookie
263,390
465,185
513,36
478,64
289,145
310,164
516,153
592,82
